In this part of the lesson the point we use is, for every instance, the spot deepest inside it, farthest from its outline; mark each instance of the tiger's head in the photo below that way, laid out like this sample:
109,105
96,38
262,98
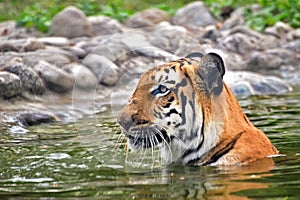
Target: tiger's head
171,107
186,109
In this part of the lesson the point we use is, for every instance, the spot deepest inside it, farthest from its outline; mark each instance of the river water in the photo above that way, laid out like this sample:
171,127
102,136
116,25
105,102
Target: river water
87,158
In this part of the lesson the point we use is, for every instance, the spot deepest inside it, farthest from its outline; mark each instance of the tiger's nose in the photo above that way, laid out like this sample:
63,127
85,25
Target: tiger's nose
125,120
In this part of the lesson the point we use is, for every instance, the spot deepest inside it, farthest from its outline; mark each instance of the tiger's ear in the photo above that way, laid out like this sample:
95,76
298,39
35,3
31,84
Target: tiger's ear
211,70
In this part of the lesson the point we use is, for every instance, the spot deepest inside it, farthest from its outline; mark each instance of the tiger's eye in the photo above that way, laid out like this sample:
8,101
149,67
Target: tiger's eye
163,89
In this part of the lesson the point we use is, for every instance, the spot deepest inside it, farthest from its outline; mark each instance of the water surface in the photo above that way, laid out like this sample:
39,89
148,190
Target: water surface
72,160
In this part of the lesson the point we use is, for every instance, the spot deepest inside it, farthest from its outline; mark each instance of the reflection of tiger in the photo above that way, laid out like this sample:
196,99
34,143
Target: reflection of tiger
186,109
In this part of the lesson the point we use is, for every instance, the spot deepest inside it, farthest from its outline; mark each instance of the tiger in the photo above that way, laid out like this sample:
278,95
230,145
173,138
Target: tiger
186,109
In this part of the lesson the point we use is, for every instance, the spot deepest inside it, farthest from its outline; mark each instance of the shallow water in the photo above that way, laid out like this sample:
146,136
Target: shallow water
87,159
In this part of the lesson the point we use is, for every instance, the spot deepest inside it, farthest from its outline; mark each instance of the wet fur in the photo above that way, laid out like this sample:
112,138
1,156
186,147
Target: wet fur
198,122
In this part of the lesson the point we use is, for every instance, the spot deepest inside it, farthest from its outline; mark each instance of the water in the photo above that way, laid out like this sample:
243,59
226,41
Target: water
73,160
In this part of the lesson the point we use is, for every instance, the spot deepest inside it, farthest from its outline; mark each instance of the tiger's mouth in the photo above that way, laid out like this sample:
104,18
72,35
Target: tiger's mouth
146,137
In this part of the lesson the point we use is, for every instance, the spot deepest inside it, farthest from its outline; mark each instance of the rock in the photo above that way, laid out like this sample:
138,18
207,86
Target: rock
237,18
139,45
10,85
242,40
279,29
54,41
32,45
293,35
112,49
6,28
293,45
55,78
103,68
53,56
84,78
29,78
249,83
147,18
31,118
103,25
193,15
70,22
173,39
270,60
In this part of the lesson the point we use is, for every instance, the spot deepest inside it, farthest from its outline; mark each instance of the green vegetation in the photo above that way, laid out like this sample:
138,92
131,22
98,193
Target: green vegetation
38,14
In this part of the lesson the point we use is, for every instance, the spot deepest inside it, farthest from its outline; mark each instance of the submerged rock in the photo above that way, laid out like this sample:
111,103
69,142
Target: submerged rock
31,118
249,83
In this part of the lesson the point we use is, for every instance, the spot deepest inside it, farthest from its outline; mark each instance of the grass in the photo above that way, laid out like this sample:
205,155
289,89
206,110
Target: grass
38,14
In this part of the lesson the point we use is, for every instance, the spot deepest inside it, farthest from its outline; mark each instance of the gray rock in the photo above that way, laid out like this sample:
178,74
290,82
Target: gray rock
53,56
103,68
6,28
10,85
112,49
237,18
32,45
84,78
249,83
54,41
55,78
139,45
270,60
70,22
31,118
174,39
293,45
147,18
243,40
279,29
193,15
11,45
29,78
103,25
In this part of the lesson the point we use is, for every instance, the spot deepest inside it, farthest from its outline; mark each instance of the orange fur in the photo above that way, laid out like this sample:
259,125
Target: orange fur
238,141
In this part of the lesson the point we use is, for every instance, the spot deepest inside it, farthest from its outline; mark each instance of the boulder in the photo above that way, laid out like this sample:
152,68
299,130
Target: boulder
147,18
243,40
103,25
271,60
10,85
103,68
84,77
70,22
55,78
193,15
29,78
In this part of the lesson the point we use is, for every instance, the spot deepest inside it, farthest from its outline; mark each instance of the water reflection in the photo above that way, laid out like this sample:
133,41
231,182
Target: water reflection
82,159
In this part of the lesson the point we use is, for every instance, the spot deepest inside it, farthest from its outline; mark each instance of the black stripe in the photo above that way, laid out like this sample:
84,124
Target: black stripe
224,150
195,150
216,156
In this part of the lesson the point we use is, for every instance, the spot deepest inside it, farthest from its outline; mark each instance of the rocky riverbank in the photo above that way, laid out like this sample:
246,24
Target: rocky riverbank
86,63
